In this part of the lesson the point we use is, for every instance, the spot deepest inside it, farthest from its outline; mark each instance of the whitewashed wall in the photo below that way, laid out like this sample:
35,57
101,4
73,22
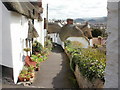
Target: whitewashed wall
44,15
19,32
53,36
38,26
82,40
6,38
14,33
111,72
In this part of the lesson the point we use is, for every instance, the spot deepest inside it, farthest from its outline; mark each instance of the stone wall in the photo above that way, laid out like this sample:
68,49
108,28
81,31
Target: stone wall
85,83
111,72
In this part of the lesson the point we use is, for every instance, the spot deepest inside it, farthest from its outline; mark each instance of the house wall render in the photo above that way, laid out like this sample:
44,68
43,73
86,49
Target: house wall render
111,72
14,33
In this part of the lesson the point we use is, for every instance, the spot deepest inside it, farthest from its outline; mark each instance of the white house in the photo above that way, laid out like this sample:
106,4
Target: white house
54,29
15,27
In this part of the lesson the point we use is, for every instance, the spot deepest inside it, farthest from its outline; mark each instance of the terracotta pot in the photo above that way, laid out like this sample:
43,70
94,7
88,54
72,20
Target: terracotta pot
37,69
21,79
31,75
27,79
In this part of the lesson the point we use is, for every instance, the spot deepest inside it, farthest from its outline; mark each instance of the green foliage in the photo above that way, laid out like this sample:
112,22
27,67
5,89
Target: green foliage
48,44
37,65
96,32
67,43
26,49
91,61
37,47
31,68
37,58
104,33
45,52
25,74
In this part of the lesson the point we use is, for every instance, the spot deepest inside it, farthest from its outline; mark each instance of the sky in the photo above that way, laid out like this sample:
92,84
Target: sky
62,9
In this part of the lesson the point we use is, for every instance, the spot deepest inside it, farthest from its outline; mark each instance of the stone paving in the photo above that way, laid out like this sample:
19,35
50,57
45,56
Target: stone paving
55,72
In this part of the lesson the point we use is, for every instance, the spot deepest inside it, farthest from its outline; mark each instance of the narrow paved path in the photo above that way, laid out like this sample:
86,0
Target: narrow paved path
55,72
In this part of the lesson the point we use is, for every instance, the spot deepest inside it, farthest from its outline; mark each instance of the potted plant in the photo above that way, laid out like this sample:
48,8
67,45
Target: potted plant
30,68
37,67
34,58
27,50
22,75
28,77
31,74
21,78
37,47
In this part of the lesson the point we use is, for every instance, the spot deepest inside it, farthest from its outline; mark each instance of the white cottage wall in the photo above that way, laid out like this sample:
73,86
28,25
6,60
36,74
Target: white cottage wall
39,28
14,33
42,32
7,57
19,32
82,40
59,40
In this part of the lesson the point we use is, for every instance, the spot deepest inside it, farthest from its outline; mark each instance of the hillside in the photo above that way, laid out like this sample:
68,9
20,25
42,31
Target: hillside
92,20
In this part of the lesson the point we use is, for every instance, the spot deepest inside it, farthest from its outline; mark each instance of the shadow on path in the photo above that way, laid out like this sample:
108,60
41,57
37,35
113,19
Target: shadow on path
65,78
55,72
57,48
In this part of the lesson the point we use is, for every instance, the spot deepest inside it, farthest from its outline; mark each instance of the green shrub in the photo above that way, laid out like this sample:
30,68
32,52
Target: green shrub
37,47
48,44
91,61
96,32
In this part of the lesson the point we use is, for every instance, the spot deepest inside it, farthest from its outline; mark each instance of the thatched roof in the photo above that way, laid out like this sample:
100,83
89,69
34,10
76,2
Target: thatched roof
53,28
82,26
38,6
25,8
70,31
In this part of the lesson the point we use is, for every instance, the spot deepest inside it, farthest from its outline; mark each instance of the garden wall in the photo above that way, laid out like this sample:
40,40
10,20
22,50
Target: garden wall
84,82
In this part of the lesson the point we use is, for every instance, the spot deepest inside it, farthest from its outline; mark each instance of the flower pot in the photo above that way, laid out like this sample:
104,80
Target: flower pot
21,79
37,69
31,75
27,79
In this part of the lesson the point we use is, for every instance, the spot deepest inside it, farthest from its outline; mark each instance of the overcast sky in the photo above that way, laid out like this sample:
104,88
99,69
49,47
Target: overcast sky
62,9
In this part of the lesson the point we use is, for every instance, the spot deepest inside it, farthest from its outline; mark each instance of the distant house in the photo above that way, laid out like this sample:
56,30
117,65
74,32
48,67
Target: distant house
53,30
21,25
98,41
99,26
59,34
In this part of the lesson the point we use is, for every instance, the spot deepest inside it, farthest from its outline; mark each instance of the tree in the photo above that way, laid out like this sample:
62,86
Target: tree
96,32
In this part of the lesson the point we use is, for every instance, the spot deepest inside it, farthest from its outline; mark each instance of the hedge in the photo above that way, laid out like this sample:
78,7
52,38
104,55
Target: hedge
91,61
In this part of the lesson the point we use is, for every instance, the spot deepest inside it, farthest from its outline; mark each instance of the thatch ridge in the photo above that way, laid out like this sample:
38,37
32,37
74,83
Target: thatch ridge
24,8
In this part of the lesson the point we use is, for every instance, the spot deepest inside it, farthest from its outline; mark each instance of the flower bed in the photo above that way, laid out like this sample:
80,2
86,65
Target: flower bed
90,61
